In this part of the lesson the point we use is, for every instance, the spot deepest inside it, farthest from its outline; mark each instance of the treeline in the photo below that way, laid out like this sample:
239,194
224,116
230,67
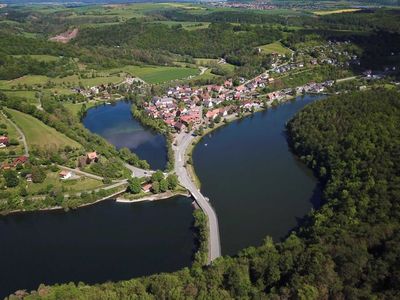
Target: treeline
348,249
15,67
216,41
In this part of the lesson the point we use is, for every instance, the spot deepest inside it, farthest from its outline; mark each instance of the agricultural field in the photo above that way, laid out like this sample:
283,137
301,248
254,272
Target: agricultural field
39,134
157,74
337,11
276,47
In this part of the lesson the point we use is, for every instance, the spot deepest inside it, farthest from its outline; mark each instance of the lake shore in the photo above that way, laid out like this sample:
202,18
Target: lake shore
154,197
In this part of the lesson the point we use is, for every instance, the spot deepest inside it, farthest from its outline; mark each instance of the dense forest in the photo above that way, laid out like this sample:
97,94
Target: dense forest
348,249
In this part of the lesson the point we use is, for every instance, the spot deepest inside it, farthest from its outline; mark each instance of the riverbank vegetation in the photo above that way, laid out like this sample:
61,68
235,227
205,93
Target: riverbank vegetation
202,237
346,249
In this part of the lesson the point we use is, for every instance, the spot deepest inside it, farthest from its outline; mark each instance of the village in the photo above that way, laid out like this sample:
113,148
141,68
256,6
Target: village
186,108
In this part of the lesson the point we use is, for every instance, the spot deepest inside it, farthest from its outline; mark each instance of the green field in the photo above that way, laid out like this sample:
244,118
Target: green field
157,74
12,133
39,134
276,47
44,58
29,95
69,186
211,62
74,108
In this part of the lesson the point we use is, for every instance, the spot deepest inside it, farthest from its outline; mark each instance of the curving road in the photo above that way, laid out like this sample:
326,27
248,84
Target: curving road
26,149
183,141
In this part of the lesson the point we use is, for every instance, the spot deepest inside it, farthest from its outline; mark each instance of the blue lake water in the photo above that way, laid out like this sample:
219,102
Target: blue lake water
106,241
257,186
115,123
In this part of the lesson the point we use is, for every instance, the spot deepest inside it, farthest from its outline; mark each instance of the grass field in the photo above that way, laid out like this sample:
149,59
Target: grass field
39,134
44,58
73,80
69,186
157,74
337,11
276,47
12,134
210,62
29,95
74,108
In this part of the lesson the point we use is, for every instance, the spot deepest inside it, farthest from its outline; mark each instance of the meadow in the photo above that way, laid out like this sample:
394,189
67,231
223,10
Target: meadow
157,74
39,134
69,186
275,47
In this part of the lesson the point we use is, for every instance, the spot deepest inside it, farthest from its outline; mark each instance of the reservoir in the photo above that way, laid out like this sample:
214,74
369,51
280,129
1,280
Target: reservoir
94,244
256,185
115,123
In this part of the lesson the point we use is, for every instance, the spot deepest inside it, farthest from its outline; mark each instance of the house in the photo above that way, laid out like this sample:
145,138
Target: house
228,83
240,88
179,126
20,160
147,187
28,177
65,174
217,88
4,141
223,112
212,114
208,103
5,166
91,157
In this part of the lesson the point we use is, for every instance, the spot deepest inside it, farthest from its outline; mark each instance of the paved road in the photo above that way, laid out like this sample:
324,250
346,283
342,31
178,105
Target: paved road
139,172
184,140
26,149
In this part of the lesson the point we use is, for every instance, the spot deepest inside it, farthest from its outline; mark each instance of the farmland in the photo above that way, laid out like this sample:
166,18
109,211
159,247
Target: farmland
157,74
336,11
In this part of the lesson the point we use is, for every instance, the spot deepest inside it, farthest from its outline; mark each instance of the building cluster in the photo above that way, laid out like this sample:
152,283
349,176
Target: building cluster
259,5
184,106
335,53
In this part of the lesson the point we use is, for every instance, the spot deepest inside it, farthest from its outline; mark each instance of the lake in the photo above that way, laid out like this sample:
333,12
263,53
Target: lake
256,185
106,241
115,123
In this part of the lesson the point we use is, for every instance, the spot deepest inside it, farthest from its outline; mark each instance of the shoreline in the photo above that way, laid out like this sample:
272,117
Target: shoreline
154,197
21,211
189,150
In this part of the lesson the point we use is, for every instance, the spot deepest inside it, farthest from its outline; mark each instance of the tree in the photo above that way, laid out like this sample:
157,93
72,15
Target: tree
38,174
163,185
157,176
156,187
11,178
134,185
172,180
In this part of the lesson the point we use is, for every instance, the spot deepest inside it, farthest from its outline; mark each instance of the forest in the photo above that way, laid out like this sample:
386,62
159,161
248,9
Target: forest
348,249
